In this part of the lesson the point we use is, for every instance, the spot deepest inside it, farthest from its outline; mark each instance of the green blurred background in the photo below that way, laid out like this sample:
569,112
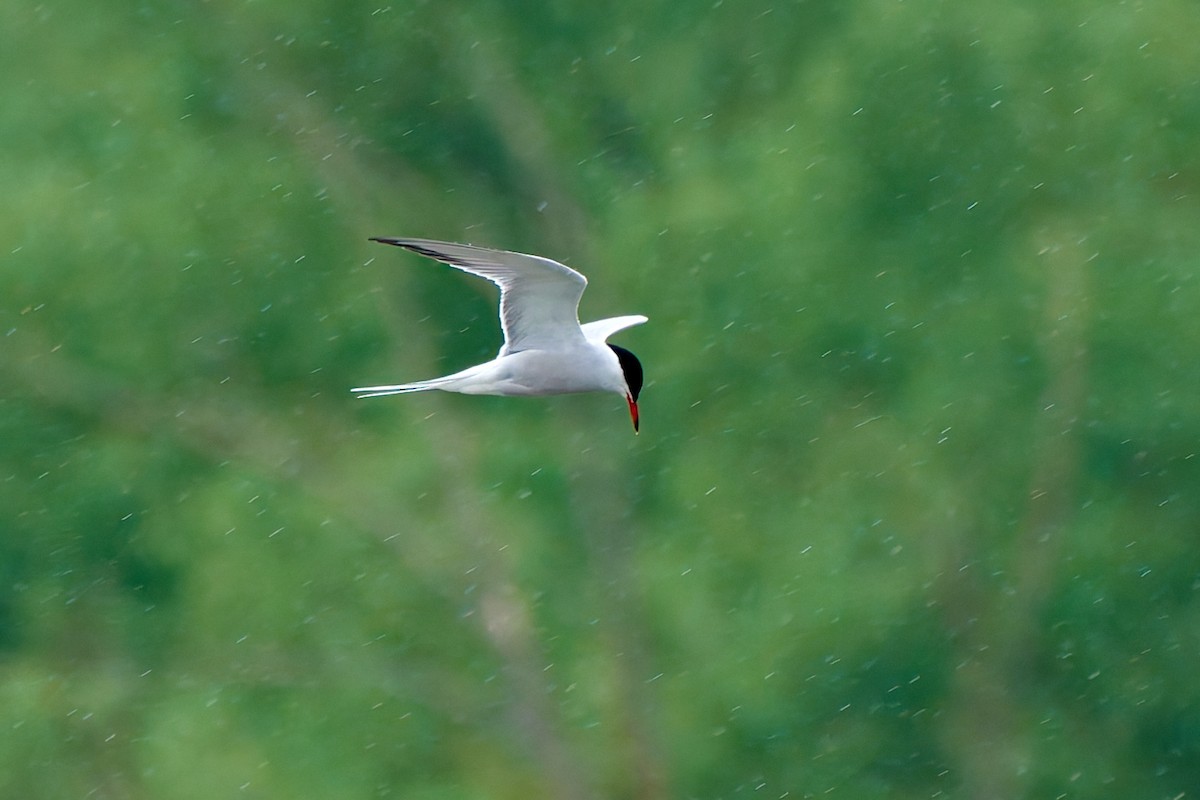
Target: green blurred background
914,512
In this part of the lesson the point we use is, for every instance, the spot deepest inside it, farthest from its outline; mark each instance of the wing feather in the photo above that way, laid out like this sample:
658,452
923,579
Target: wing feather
601,329
539,297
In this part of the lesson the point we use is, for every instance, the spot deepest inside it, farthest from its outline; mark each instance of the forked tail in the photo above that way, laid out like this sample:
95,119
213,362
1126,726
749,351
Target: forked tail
400,388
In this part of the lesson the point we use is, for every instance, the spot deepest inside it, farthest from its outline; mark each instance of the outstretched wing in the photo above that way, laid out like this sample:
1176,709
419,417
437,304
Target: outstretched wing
539,298
601,329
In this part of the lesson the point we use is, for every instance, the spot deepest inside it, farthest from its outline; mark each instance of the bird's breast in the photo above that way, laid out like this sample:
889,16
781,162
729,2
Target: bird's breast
542,372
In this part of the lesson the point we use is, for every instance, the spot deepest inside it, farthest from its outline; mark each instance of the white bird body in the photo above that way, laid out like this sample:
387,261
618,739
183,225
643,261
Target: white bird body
546,351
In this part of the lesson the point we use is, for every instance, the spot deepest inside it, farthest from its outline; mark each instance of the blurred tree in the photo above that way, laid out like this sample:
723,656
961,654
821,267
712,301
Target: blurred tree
911,513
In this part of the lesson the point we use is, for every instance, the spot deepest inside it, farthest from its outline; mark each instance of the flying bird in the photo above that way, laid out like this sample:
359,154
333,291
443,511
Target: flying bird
546,350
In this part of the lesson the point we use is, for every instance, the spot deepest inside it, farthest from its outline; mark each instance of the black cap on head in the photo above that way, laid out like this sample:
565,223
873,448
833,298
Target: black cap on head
632,369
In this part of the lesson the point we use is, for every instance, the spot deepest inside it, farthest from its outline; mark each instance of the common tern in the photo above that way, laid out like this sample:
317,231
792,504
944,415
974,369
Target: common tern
546,350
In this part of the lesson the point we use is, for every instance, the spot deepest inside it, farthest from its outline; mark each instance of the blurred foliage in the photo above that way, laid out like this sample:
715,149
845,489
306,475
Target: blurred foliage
913,511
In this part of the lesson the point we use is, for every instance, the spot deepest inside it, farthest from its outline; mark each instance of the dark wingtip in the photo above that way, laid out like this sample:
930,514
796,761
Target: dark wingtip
415,246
